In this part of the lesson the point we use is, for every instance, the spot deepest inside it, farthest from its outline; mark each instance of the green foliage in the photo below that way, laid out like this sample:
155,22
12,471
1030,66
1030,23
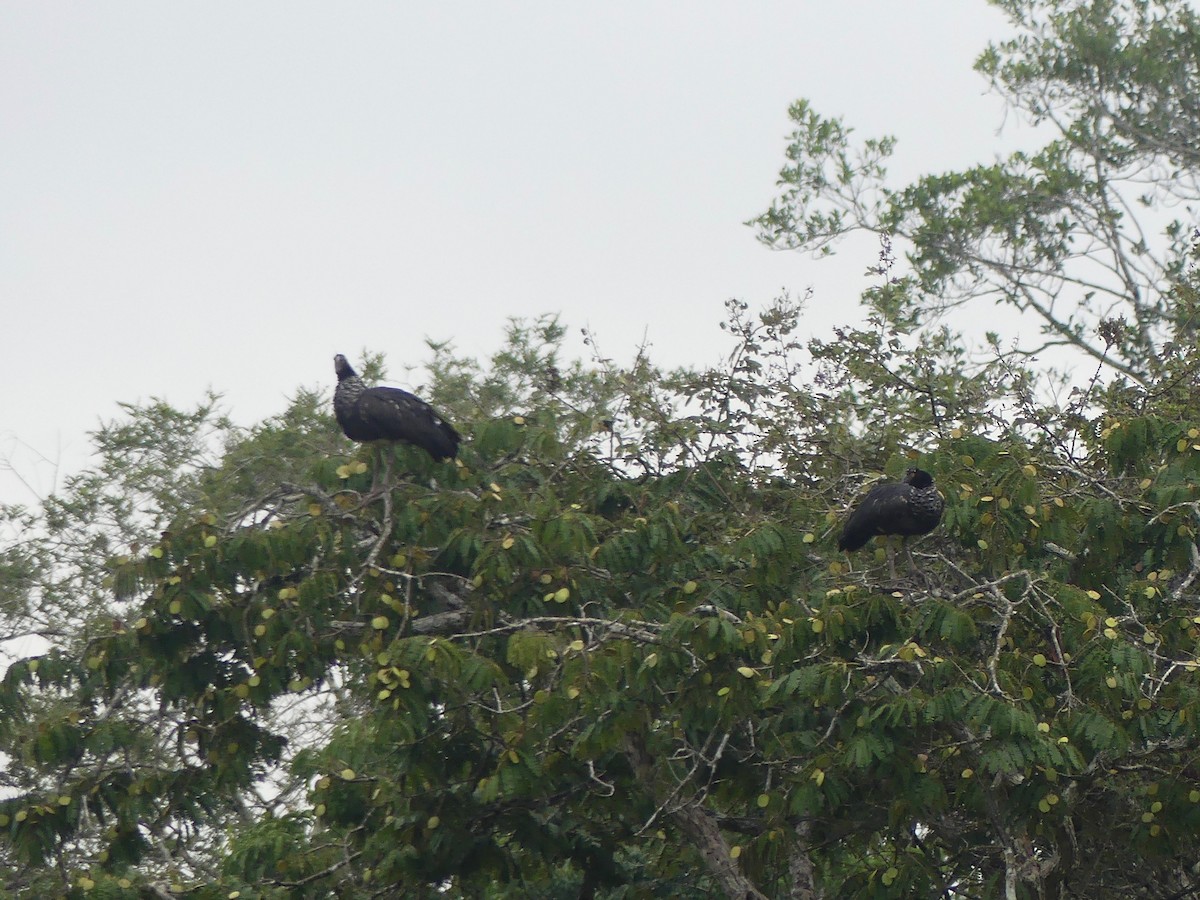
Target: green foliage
537,665
611,651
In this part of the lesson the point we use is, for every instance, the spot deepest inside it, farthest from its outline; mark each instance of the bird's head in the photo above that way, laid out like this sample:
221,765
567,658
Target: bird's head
918,478
342,367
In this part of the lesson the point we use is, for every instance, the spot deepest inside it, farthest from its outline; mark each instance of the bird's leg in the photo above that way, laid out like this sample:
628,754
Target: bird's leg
891,554
912,567
374,469
380,460
387,469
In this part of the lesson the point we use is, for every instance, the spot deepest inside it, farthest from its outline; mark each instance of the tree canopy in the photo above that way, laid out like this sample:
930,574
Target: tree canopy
612,651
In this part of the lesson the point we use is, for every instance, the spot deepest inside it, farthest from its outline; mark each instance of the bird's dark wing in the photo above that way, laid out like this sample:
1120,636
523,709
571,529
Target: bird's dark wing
883,509
395,415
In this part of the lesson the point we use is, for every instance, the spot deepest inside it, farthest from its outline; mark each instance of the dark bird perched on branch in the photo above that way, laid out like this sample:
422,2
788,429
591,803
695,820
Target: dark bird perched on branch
389,414
911,507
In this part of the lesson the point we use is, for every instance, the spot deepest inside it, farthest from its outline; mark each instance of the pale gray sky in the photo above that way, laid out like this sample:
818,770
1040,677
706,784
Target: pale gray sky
226,194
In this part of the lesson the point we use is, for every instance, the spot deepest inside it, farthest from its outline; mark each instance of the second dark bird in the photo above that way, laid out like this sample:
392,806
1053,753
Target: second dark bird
910,507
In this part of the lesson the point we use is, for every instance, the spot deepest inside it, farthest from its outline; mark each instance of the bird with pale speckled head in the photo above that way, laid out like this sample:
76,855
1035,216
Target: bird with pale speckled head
389,414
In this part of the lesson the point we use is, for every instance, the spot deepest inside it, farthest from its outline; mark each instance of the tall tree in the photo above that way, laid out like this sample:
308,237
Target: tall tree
613,650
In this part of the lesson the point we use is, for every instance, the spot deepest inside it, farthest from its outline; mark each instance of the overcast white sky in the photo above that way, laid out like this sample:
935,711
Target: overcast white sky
224,195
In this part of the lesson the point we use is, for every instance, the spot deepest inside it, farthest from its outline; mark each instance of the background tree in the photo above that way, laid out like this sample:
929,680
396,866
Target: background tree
1071,235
